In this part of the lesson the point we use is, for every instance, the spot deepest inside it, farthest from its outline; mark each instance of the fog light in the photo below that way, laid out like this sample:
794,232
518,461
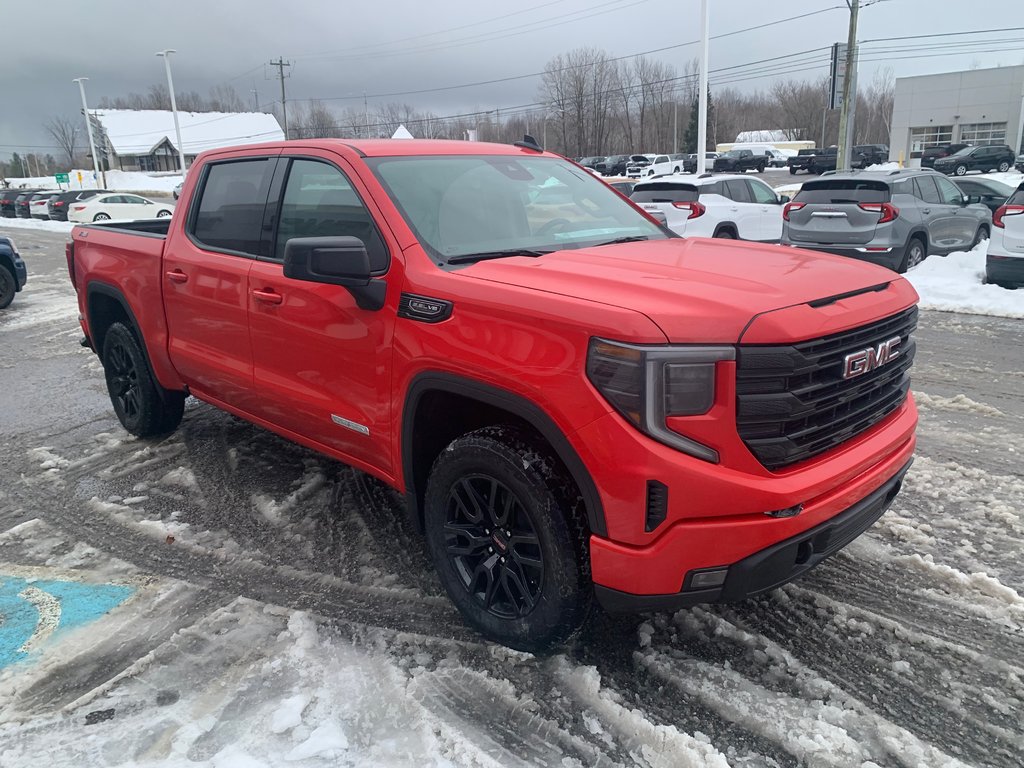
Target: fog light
713,577
789,512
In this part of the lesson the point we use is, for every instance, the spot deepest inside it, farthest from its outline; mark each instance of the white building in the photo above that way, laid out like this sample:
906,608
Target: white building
144,140
977,106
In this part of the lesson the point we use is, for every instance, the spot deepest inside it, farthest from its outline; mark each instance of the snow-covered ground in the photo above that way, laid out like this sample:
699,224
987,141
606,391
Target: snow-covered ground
282,613
119,181
956,283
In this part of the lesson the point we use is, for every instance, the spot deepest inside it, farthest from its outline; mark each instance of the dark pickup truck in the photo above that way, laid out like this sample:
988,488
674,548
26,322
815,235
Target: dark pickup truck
823,160
866,155
740,161
801,161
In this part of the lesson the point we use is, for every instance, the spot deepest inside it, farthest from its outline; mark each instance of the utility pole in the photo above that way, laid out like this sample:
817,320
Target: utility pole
281,64
255,98
702,104
366,115
166,55
675,126
846,113
96,165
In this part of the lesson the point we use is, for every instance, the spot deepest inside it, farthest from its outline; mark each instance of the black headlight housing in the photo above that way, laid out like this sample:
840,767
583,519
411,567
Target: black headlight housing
647,384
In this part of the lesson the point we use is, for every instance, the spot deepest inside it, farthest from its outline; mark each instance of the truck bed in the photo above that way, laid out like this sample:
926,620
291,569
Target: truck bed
146,227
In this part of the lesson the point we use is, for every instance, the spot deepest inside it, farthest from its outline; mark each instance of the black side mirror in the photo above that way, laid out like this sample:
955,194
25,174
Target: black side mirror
969,199
335,261
783,199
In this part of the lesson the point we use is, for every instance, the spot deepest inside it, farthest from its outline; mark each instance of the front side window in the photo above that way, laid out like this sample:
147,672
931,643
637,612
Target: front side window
319,201
948,192
762,193
463,207
232,200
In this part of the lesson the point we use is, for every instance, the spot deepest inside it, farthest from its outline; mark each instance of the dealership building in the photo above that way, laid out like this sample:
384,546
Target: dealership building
977,106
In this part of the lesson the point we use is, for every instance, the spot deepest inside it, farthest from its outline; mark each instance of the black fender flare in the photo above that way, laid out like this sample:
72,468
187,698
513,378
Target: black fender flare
531,413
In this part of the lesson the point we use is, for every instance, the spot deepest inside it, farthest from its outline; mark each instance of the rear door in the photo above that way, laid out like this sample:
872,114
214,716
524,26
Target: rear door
832,212
206,274
1013,224
321,363
963,223
770,217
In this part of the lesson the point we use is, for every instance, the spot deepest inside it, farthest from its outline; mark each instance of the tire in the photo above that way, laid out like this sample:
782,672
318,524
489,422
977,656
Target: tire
8,287
163,214
101,217
725,233
982,234
142,406
676,169
760,169
526,585
915,253
960,170
1004,167
792,171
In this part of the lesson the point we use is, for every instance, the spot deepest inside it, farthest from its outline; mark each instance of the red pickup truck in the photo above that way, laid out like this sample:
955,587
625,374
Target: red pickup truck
575,402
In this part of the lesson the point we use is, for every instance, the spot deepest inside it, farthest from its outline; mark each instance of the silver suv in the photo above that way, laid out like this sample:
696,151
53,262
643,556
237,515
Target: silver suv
892,218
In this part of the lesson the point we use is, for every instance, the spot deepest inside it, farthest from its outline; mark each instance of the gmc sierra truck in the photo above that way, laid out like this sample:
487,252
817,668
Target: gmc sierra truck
576,403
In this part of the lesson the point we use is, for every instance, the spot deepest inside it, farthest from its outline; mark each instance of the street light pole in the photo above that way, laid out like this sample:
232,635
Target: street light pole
88,128
166,54
702,103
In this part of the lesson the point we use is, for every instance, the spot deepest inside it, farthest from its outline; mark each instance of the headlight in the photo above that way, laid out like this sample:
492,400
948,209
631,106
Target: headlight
648,384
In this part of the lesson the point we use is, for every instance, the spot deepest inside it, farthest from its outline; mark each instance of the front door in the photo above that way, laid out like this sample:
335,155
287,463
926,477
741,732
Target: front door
963,223
322,365
771,211
206,280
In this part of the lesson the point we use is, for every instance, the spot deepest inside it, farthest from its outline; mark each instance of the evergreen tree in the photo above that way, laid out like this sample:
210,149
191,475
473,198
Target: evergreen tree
690,137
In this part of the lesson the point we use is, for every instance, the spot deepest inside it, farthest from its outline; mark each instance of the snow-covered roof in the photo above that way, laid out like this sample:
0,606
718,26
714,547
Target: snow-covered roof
767,136
139,132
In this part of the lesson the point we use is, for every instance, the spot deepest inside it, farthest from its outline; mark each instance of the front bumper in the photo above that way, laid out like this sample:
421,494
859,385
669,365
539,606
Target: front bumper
1004,270
20,273
770,567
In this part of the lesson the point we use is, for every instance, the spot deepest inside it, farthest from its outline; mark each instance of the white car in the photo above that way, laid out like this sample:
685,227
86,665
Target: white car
1004,264
777,158
731,206
117,206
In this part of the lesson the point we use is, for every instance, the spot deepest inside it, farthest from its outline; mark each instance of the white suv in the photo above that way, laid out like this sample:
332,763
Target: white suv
1004,264
730,206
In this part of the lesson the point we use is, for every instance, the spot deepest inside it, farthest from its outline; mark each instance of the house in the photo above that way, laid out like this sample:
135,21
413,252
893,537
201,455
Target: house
145,140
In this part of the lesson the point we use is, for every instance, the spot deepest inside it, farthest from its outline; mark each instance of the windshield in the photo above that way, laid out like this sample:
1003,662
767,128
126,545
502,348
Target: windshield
465,205
964,151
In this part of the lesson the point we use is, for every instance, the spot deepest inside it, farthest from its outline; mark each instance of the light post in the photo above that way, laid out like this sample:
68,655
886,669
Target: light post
96,165
702,103
166,54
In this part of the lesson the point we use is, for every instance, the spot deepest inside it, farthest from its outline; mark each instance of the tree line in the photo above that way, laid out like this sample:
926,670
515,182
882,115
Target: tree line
588,103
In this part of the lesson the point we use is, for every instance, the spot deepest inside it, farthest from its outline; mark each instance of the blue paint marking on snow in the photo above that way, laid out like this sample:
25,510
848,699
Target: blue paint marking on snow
79,604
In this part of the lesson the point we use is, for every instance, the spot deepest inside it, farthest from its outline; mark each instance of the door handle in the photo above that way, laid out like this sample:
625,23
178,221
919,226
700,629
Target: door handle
268,296
177,276
926,210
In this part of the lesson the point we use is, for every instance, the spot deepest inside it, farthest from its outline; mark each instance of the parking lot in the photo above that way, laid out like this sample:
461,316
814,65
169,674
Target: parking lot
240,599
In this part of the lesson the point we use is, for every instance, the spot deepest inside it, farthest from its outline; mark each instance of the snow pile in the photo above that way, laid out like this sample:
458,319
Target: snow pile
37,224
117,181
956,284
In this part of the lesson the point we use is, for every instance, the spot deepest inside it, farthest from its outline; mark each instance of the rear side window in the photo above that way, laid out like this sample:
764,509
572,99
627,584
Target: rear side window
838,191
229,214
319,201
664,193
736,189
924,188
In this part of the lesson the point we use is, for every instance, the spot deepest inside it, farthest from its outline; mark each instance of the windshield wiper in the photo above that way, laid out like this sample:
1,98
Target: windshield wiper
468,258
616,241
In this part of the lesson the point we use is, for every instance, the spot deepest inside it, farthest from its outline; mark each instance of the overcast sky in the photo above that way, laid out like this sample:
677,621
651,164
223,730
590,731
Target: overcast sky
344,49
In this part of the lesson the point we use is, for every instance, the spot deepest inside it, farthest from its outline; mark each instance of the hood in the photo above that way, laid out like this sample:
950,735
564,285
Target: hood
696,290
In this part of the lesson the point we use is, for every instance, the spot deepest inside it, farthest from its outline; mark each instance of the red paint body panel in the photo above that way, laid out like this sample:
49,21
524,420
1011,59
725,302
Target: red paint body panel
288,355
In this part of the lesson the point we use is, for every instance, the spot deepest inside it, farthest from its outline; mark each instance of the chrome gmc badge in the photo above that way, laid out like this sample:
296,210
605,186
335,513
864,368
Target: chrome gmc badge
858,363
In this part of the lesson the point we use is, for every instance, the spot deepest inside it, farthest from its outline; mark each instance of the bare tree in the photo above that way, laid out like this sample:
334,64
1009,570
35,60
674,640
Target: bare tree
65,132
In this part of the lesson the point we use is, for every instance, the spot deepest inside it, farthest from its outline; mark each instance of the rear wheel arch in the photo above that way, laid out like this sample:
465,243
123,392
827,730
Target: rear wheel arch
440,407
727,230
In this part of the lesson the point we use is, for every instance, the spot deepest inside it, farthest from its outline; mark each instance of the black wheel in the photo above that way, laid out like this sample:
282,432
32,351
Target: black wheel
982,234
760,169
8,287
792,171
676,169
142,406
163,214
913,256
504,530
101,217
726,234
1004,167
960,170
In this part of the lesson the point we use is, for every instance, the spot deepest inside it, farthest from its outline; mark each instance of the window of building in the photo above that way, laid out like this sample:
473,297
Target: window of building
928,137
980,134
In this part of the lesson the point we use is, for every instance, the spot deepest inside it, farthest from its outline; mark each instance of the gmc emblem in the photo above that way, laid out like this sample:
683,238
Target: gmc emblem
858,363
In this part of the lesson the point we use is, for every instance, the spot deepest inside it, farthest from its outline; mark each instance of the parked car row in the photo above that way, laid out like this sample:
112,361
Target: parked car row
78,205
893,218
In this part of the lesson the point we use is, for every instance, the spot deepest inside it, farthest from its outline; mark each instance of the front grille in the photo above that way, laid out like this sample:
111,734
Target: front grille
793,402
